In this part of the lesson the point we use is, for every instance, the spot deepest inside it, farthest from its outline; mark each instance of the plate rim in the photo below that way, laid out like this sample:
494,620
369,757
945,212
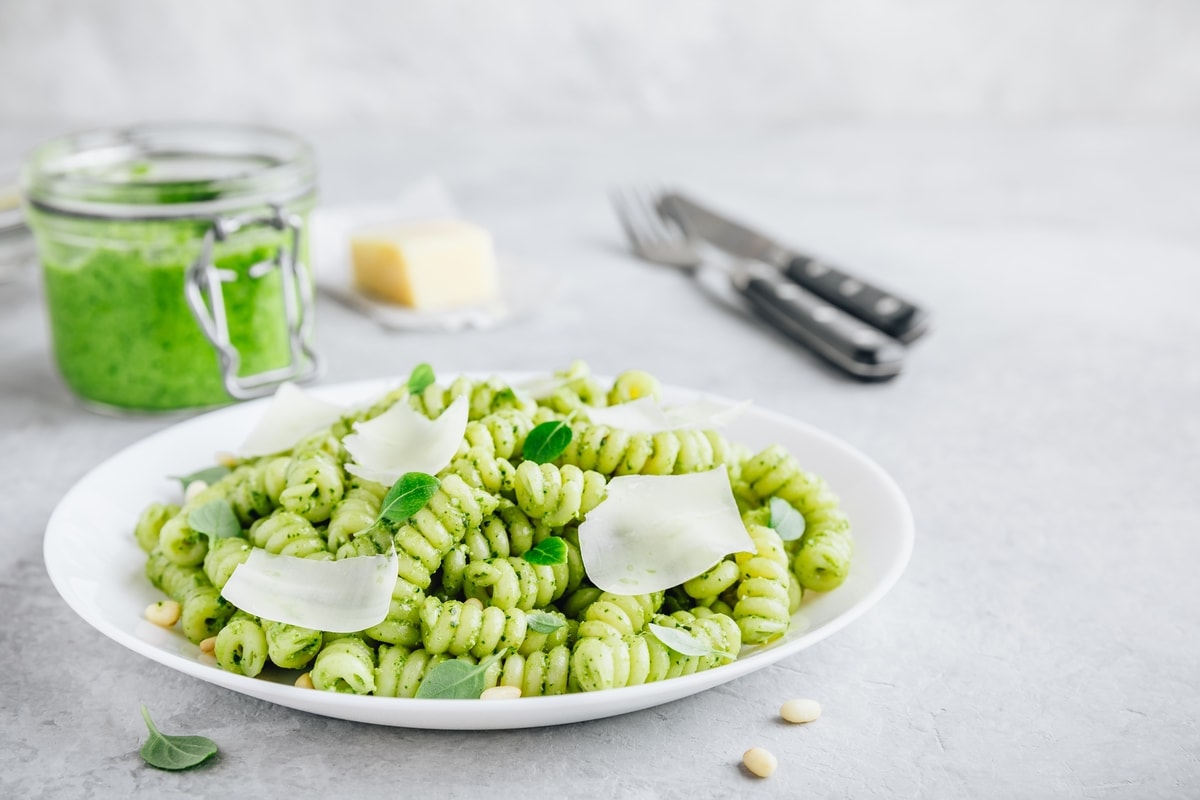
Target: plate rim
486,716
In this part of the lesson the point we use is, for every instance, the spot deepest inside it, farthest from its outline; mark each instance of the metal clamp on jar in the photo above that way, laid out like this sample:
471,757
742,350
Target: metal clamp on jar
174,259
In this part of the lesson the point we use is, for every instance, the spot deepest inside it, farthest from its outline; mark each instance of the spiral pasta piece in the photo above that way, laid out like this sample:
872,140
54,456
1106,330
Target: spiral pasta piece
429,535
345,664
223,558
242,646
289,534
509,531
573,389
484,397
400,670
761,611
502,433
536,674
823,554
150,523
612,451
356,511
291,646
248,491
203,610
514,583
482,468
402,625
709,585
314,486
469,628
634,384
558,495
180,542
619,614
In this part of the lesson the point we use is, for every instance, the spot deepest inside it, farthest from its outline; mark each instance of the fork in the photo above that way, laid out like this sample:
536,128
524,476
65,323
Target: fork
831,333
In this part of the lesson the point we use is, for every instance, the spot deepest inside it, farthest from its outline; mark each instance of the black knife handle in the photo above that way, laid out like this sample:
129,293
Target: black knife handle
881,309
834,335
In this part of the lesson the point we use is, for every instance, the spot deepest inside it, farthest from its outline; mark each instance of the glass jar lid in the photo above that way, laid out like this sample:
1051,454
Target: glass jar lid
168,170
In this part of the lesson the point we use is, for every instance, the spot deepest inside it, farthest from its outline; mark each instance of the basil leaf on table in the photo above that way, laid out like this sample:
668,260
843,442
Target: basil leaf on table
174,752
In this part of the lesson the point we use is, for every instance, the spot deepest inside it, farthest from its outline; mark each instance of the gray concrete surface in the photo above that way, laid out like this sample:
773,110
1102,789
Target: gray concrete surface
1043,640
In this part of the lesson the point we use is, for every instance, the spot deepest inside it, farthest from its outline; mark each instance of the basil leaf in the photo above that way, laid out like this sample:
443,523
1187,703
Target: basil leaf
685,643
174,752
549,551
547,441
407,496
210,476
457,680
786,520
421,378
215,519
541,622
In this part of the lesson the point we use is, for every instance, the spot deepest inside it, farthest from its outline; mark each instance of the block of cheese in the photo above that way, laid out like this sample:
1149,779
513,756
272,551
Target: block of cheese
432,265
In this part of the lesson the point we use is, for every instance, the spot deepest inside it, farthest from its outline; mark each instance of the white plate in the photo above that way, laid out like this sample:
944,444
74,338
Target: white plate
97,567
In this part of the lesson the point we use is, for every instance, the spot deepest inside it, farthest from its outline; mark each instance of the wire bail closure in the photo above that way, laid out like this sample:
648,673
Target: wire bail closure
203,287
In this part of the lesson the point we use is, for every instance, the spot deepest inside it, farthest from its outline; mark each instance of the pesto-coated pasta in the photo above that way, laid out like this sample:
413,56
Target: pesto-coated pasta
466,586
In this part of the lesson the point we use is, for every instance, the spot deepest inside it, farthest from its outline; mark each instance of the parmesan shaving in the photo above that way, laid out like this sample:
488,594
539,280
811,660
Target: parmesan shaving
653,532
402,440
541,387
335,596
647,416
705,413
291,415
639,416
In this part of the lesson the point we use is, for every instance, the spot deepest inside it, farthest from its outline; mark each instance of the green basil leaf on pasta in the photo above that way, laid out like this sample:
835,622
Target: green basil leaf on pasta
548,552
542,622
786,520
457,680
684,643
210,476
407,496
547,441
215,519
422,378
174,752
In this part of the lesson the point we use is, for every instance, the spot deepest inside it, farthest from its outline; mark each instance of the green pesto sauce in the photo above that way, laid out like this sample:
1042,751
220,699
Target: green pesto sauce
123,332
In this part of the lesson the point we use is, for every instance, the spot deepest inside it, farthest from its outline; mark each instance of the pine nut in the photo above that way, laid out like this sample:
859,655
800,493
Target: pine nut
760,762
800,710
194,488
304,681
227,459
164,613
501,693
208,645
474,601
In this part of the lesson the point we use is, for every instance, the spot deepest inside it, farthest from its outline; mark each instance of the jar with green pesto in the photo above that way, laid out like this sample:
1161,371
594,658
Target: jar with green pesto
174,258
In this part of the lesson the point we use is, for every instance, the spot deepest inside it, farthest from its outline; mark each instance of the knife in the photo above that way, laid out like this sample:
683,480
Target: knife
898,318
843,340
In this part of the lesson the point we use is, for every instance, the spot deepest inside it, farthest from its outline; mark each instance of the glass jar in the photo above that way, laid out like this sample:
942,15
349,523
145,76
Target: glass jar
174,258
